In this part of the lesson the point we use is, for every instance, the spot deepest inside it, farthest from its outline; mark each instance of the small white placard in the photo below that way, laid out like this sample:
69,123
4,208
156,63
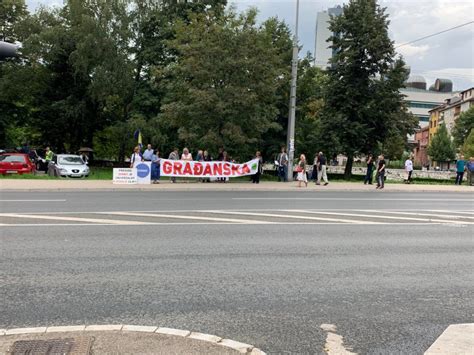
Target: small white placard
125,176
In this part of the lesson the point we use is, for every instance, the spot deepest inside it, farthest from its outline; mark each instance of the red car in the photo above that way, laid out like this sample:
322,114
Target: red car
16,163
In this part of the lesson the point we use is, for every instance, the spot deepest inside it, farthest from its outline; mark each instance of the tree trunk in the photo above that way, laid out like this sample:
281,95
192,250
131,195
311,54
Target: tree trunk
348,169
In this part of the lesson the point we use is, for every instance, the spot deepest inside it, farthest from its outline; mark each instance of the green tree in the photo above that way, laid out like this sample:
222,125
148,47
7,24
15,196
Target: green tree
310,103
363,106
11,13
468,146
463,127
441,147
224,84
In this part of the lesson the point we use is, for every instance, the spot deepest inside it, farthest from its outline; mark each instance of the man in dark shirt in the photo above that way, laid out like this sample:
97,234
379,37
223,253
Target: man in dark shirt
322,169
381,172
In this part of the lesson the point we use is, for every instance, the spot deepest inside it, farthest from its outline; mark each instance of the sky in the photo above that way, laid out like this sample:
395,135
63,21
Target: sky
449,55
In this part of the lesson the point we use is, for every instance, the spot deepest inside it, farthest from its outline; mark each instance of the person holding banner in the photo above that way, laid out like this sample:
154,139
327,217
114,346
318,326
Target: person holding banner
136,157
155,167
174,155
206,157
301,170
256,176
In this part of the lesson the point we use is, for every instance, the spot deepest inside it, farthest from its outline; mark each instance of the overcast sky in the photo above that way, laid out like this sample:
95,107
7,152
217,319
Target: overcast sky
449,55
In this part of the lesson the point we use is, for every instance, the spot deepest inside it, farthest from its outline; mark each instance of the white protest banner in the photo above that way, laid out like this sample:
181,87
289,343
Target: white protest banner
199,169
125,176
143,170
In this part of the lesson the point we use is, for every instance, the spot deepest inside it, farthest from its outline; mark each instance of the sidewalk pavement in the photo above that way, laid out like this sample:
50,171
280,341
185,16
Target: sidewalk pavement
267,186
117,339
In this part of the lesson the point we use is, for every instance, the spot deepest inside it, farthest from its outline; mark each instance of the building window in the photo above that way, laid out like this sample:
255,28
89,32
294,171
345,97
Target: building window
421,105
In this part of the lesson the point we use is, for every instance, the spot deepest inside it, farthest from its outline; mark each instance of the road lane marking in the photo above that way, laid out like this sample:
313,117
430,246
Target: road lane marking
334,342
76,219
416,214
33,200
458,212
456,339
294,217
352,199
211,219
296,224
383,217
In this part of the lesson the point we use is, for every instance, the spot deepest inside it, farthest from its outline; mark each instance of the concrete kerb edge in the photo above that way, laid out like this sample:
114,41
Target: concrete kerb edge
213,339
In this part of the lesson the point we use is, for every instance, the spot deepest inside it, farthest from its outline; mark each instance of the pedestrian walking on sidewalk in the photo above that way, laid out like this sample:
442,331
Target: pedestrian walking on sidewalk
283,165
301,170
408,170
381,172
460,168
370,170
256,176
322,169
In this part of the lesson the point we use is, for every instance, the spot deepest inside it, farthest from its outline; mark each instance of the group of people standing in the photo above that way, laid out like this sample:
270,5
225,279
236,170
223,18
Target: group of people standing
153,156
381,165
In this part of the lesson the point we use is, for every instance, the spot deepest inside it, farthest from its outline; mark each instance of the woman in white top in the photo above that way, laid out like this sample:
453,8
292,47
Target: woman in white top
136,157
186,155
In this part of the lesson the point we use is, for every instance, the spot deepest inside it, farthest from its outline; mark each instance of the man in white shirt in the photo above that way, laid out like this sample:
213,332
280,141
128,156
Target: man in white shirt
408,170
148,153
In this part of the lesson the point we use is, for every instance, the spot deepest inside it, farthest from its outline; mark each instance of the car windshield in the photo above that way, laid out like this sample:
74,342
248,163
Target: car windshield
12,158
70,161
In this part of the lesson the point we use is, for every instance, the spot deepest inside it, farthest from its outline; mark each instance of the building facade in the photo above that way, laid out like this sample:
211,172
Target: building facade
322,47
421,148
454,106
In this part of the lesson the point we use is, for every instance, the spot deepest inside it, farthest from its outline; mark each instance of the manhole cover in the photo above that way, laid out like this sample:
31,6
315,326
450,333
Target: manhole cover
65,346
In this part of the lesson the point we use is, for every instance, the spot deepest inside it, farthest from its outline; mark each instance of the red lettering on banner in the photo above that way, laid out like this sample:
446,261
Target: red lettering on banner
177,166
198,169
217,169
167,167
207,170
245,169
227,170
235,169
187,169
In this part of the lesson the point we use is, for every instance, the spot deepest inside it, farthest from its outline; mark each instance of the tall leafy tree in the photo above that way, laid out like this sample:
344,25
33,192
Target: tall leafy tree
441,147
463,126
468,146
309,108
363,104
224,84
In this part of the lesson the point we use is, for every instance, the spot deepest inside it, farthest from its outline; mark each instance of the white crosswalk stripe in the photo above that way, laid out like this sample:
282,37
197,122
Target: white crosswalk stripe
174,216
295,217
382,217
438,215
240,217
76,219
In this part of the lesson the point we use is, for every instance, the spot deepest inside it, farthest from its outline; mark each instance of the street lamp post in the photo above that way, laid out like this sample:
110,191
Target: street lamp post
291,117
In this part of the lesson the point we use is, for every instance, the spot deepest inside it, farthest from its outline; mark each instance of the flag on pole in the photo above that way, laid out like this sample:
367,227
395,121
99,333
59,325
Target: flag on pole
138,136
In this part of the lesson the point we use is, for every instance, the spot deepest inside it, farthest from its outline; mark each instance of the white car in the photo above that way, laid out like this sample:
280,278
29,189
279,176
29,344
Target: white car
70,166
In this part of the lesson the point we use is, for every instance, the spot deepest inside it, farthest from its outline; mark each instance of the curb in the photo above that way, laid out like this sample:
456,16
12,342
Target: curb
236,189
214,339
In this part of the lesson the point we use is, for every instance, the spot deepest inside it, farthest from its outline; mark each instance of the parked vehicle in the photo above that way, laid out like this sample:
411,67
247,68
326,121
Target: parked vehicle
16,163
68,165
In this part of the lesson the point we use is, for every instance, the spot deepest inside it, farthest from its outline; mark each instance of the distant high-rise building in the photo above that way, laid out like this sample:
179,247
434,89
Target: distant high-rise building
322,50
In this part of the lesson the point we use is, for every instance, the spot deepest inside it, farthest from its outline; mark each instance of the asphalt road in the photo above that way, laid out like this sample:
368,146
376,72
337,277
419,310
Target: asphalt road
389,285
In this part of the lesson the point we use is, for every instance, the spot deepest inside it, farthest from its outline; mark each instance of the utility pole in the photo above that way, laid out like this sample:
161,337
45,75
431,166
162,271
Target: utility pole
291,117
